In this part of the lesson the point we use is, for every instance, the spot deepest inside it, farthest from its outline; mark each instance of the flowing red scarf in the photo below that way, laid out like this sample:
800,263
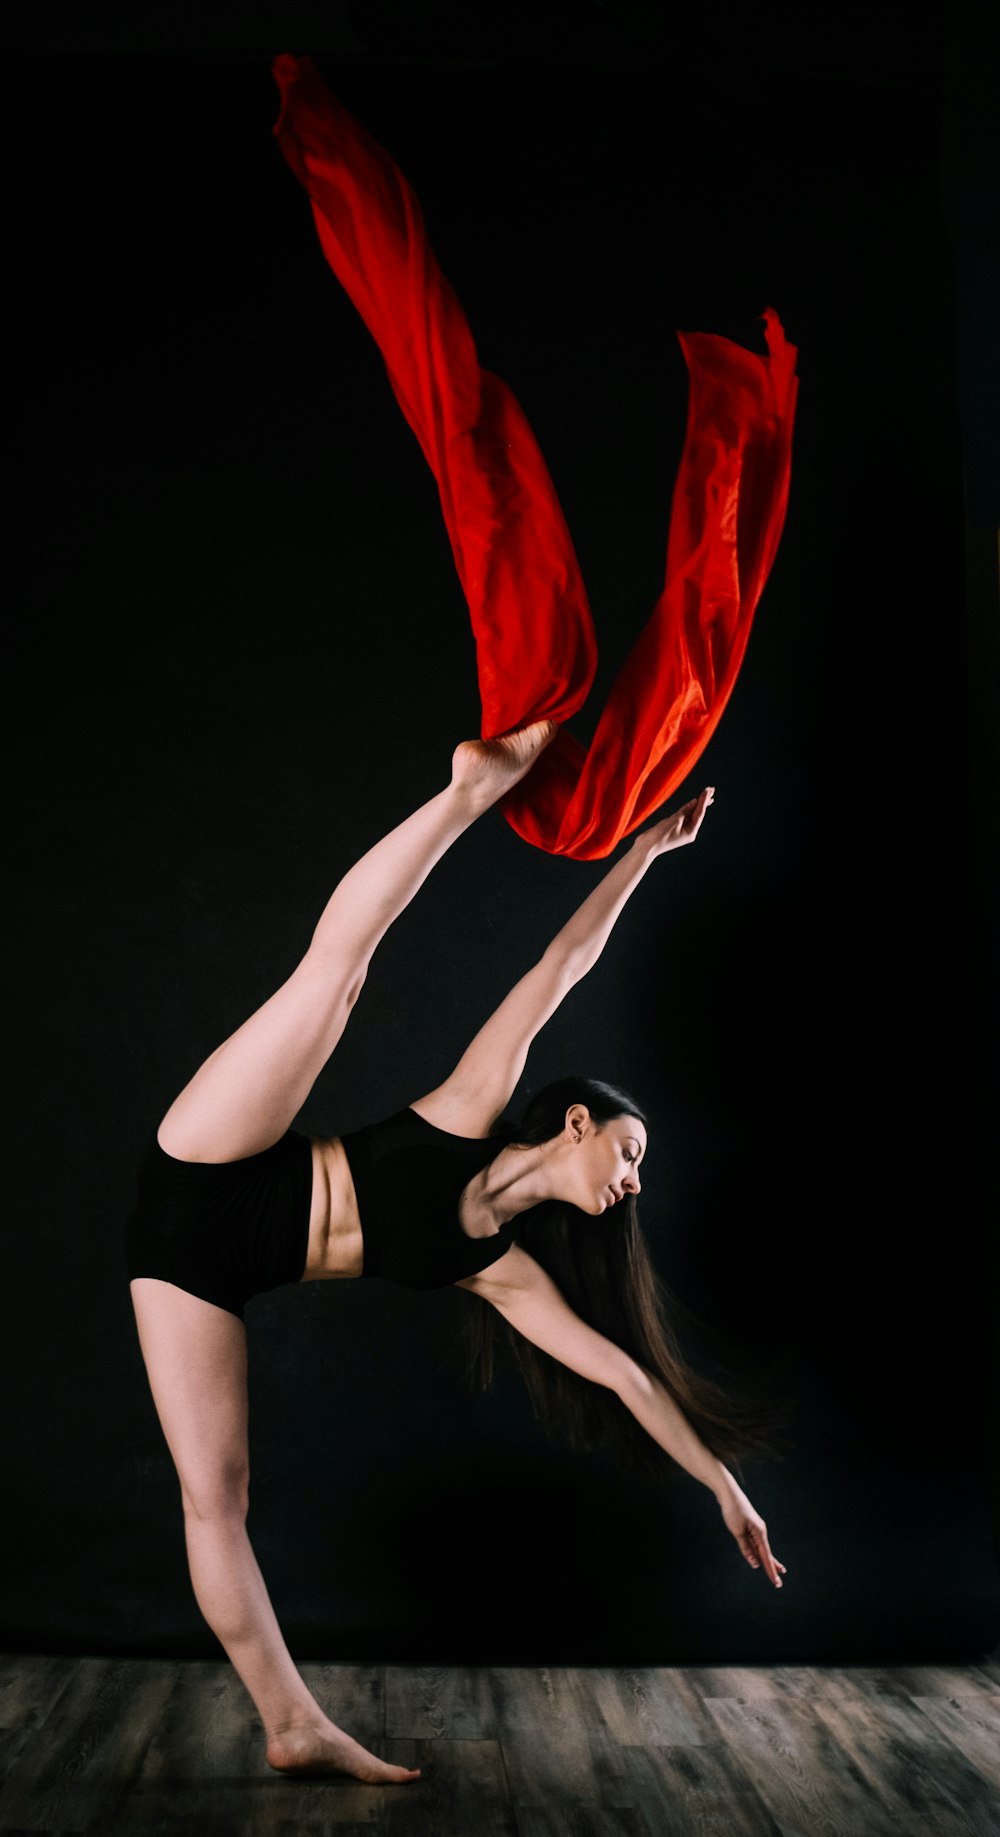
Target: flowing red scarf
536,650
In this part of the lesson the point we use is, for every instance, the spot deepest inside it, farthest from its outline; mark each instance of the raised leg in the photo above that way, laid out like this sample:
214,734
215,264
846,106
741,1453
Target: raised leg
251,1087
196,1359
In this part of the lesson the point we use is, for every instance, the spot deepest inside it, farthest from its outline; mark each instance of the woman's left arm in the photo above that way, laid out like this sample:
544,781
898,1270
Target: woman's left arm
652,1405
525,1294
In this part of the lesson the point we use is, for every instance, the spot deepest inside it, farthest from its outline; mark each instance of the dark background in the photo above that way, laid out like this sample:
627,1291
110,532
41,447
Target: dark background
241,655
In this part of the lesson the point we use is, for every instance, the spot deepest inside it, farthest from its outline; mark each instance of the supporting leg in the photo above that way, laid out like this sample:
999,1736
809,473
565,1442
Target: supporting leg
195,1356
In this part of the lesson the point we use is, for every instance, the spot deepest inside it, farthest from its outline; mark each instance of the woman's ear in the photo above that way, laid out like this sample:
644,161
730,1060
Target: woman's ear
577,1118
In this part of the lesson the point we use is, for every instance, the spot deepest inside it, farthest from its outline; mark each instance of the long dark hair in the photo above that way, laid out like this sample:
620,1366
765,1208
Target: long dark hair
603,1268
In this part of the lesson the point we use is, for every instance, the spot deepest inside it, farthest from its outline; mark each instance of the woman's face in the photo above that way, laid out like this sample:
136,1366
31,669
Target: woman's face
606,1158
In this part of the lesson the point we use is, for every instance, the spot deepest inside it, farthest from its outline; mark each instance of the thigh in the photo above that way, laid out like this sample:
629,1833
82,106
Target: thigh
251,1088
196,1360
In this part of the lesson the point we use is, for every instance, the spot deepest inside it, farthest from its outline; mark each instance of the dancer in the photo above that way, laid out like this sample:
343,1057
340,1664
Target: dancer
233,1201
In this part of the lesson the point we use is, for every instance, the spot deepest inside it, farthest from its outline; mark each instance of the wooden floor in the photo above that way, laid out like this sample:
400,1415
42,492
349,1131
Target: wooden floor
123,1746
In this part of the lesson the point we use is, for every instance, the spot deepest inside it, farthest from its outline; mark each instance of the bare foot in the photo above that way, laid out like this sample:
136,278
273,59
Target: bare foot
484,769
323,1748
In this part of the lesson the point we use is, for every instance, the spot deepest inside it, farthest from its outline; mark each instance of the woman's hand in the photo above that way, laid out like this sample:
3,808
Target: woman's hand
683,826
750,1532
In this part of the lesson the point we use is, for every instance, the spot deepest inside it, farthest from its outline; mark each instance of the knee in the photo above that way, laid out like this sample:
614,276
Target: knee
340,980
355,985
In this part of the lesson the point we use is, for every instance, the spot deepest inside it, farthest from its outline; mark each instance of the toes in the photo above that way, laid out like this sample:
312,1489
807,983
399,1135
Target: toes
382,1773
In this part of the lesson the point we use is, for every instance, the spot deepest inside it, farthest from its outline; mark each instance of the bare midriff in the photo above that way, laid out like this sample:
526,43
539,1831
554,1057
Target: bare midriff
336,1245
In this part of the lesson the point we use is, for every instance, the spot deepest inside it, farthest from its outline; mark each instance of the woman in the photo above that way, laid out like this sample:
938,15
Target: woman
233,1201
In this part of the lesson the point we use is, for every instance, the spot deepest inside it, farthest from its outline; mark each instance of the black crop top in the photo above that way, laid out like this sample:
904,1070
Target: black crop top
409,1176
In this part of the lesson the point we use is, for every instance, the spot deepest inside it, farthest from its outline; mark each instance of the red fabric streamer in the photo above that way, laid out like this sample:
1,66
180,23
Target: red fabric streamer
536,650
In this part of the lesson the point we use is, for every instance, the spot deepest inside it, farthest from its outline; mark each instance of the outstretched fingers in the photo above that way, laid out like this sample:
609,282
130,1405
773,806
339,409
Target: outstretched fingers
683,825
758,1553
694,812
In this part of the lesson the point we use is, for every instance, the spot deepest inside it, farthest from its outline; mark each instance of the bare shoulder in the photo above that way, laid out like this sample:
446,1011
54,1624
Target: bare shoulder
458,1111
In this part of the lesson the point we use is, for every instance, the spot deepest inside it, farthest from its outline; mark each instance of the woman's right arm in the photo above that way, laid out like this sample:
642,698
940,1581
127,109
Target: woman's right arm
581,941
487,1074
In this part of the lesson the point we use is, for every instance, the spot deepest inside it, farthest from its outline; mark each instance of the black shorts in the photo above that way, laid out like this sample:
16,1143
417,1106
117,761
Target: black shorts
223,1230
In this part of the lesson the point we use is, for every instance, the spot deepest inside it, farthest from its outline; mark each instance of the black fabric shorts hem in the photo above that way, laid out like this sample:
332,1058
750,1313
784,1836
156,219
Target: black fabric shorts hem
223,1230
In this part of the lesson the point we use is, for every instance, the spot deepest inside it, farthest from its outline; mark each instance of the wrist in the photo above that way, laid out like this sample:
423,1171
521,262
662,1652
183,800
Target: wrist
646,845
724,1486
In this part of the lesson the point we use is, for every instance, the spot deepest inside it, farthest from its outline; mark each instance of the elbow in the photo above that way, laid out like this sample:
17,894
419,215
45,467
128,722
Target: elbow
635,1385
571,961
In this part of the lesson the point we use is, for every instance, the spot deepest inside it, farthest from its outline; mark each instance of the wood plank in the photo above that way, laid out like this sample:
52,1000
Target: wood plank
654,1705
353,1696
908,1765
947,1680
700,1789
76,1771
741,1682
209,1727
973,1726
175,1749
544,1766
902,1682
799,1770
555,1745
254,1808
30,1684
581,1821
938,1823
745,1683
523,1694
425,1701
463,1789
205,1766
796,1682
820,1683
952,1682
285,1827
617,1783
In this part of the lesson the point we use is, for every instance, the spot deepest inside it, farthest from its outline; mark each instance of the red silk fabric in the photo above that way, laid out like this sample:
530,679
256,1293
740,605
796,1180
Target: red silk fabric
536,651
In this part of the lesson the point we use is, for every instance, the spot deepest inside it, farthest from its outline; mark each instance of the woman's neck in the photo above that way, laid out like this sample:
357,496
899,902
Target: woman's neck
514,1181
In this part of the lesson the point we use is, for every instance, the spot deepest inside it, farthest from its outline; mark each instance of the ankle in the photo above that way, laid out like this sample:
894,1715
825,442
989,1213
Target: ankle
484,770
468,800
303,1719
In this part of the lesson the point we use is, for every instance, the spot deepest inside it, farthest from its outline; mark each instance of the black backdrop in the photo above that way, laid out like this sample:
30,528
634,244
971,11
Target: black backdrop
242,655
